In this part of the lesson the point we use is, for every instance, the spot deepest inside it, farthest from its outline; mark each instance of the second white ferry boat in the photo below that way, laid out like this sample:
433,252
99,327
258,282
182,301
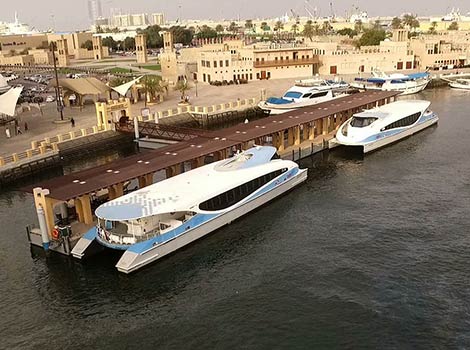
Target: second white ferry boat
159,219
305,93
381,126
405,84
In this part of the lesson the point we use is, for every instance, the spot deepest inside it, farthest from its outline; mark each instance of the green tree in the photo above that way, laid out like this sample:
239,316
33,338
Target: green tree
278,26
182,86
326,28
249,24
358,26
410,21
87,45
128,44
265,27
182,35
110,42
432,28
396,23
295,29
233,27
206,32
152,87
372,37
154,39
117,81
347,31
308,32
219,28
317,30
453,26
377,25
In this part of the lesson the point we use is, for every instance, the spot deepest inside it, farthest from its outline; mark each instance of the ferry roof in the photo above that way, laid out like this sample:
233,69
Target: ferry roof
398,108
91,180
186,191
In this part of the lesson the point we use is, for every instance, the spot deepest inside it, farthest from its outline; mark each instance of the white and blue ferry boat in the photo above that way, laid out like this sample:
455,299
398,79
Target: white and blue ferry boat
159,219
381,126
406,84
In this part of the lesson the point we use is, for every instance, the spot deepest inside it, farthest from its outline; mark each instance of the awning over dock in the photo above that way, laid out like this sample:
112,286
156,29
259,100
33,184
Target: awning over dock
88,181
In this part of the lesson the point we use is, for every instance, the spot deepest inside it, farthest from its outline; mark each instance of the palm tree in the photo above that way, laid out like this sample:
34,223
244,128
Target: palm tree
410,21
249,24
233,27
396,23
182,86
295,29
278,26
308,30
432,28
152,87
219,28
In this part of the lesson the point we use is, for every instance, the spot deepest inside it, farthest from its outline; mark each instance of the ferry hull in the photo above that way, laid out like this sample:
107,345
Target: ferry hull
132,261
372,146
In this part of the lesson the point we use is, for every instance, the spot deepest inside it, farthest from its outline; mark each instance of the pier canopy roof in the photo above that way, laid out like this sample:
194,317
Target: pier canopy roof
84,86
88,181
8,101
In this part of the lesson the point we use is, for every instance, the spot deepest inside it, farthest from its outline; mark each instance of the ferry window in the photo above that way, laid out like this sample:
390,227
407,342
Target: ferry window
319,94
407,121
306,95
357,122
293,94
235,195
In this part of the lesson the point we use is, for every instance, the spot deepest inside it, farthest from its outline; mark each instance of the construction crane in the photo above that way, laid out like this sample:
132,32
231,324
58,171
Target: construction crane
332,11
309,10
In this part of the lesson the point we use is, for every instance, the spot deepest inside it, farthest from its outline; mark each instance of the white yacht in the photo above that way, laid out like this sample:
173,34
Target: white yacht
159,219
381,126
460,84
305,93
406,84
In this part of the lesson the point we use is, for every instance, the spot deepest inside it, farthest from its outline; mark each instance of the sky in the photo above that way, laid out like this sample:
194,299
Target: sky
73,15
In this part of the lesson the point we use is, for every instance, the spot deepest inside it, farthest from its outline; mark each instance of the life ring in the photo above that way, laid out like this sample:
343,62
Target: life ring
55,234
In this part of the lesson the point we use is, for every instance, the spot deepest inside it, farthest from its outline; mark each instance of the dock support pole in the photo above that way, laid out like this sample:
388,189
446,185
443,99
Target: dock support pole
136,128
43,228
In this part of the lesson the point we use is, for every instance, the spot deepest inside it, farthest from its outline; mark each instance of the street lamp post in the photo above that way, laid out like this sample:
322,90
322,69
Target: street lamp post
53,48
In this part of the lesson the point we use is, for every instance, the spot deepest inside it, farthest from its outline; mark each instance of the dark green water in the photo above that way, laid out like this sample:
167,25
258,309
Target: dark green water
370,253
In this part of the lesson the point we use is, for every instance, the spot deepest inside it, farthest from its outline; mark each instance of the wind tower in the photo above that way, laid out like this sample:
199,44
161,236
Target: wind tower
63,59
97,48
168,59
141,48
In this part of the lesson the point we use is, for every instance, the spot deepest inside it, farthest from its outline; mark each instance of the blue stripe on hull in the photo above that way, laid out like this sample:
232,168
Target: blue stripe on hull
196,221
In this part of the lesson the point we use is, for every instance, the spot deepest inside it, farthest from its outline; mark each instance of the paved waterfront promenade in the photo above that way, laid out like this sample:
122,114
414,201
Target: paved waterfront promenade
42,126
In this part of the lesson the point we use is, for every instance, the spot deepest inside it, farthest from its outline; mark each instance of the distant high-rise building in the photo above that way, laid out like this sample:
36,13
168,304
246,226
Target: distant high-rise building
158,19
95,10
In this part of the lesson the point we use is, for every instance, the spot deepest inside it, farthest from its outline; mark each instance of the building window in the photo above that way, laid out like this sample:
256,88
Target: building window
208,64
226,63
215,64
221,63
409,65
399,65
333,70
204,77
251,76
209,78
269,75
257,75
